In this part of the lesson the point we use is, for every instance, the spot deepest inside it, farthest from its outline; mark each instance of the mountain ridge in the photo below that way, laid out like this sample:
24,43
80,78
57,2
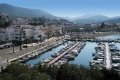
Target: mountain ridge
26,12
19,11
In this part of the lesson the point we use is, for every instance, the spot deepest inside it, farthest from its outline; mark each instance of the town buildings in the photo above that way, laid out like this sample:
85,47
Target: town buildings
20,30
4,20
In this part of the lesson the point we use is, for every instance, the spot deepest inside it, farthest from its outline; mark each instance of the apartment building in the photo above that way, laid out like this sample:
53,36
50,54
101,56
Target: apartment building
20,21
3,35
16,33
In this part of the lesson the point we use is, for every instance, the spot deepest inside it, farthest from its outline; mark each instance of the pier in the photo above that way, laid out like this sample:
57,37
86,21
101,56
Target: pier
107,57
94,40
6,55
61,55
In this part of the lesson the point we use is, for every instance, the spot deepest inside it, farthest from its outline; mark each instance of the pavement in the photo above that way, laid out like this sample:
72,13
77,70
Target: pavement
7,54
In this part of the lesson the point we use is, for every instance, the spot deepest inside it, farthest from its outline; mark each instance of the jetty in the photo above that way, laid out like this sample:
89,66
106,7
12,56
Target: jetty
107,56
93,40
62,54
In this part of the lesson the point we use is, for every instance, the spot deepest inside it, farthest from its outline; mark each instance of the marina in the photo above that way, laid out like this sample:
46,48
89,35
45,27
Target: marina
83,57
106,55
67,54
94,54
30,55
47,54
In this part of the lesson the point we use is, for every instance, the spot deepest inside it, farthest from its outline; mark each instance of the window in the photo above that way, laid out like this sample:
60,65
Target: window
16,38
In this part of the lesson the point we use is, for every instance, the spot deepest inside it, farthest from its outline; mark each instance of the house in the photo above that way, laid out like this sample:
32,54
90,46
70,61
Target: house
4,19
33,33
16,33
20,21
3,35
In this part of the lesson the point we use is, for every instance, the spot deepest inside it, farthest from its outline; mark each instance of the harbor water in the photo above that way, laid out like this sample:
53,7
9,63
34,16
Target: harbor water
83,57
47,54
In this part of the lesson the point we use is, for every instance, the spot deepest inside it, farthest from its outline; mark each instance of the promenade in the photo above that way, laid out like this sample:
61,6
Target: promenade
7,55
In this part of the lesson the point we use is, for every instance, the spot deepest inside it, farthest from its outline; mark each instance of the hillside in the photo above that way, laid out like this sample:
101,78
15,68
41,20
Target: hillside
19,11
91,19
115,20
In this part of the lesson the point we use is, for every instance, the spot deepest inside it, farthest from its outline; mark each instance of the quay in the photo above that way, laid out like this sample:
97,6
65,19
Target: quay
61,55
107,56
35,53
6,55
94,40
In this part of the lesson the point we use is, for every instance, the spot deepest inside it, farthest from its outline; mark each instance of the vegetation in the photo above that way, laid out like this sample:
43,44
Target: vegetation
22,72
4,23
38,21
65,72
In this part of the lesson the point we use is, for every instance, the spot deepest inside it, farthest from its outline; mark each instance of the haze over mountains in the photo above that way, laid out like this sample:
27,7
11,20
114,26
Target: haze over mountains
94,18
19,11
91,19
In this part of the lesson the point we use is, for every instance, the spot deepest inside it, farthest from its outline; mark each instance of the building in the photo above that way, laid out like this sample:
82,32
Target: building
20,21
20,30
33,33
4,19
16,33
3,35
91,27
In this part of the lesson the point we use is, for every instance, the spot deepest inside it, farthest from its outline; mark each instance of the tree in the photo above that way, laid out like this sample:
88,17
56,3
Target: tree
16,69
102,26
24,76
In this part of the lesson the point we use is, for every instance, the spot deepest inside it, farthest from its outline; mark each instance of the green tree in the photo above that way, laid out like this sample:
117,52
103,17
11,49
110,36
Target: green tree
16,69
102,26
24,76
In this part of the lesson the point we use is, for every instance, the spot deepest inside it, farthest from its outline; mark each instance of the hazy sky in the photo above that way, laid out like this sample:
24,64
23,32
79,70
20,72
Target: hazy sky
71,8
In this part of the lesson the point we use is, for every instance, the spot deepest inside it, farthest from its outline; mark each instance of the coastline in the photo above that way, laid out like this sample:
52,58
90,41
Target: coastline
99,34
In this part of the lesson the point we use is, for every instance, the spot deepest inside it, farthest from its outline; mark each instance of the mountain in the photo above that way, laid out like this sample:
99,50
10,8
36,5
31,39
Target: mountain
113,20
19,11
94,16
25,12
91,19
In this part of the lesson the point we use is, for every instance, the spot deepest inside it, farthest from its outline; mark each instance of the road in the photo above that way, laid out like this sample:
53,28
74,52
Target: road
6,54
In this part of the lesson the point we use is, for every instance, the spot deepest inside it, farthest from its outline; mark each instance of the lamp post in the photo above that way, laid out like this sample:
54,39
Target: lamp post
20,37
13,46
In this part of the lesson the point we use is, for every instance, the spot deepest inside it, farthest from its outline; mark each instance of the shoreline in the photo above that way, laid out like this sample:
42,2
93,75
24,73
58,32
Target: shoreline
94,35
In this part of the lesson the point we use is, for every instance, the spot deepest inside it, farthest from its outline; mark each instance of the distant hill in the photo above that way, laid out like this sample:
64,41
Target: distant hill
114,20
91,19
25,12
19,11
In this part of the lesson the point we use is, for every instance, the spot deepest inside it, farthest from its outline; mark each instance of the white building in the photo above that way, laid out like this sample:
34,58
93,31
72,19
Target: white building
3,34
32,32
20,33
16,33
20,21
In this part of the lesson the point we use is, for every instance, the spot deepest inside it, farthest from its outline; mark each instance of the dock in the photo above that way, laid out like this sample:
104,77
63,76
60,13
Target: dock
61,55
107,57
6,57
94,40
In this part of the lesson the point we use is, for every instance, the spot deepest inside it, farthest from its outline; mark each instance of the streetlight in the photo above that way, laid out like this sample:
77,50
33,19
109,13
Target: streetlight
13,46
20,37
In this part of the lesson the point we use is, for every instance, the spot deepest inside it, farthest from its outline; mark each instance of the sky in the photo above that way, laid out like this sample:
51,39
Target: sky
71,8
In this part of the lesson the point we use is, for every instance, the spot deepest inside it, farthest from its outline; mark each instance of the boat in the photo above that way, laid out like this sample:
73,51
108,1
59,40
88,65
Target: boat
74,52
69,57
55,55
